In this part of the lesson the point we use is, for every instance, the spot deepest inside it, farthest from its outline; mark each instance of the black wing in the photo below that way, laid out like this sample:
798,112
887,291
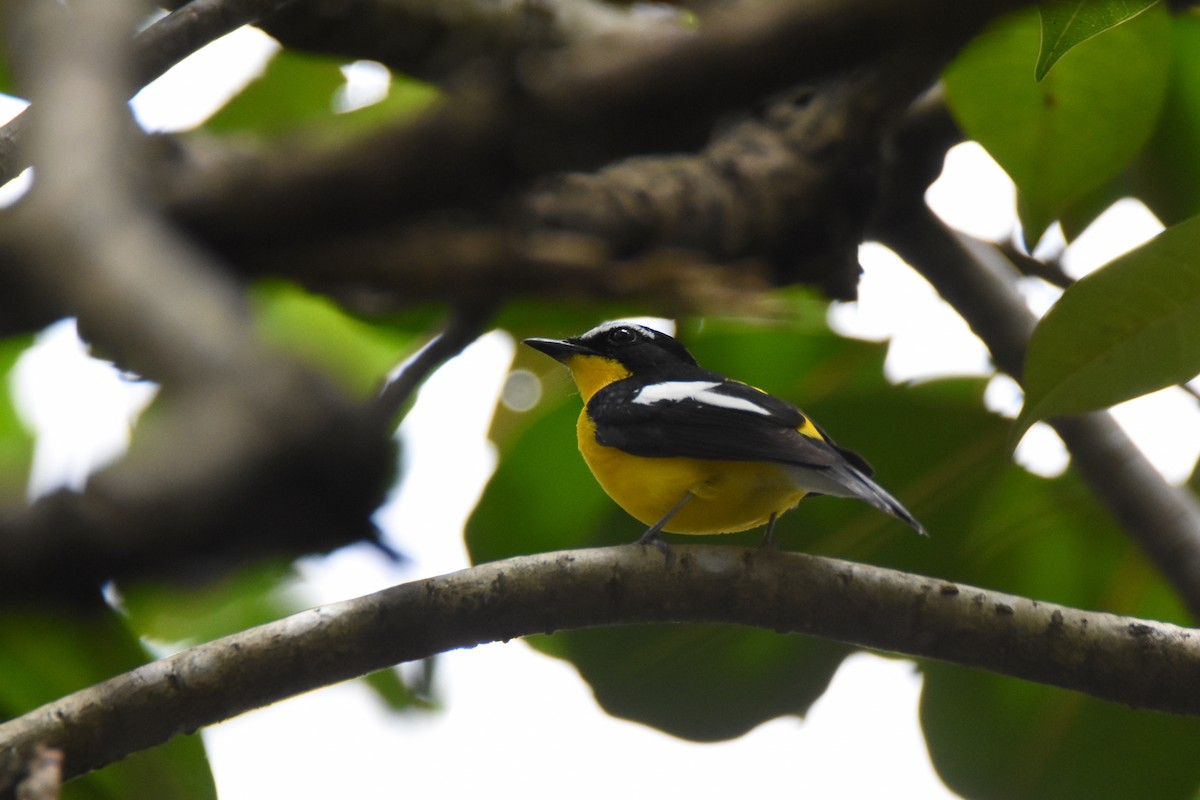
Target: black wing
712,418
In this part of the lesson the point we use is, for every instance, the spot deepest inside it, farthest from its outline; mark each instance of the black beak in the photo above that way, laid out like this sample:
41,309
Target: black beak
558,349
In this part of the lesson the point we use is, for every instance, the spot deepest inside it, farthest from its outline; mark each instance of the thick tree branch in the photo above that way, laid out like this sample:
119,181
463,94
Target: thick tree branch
792,188
461,263
1134,662
465,325
434,40
576,109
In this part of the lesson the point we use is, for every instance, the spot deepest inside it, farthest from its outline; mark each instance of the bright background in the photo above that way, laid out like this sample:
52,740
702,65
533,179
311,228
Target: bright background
511,716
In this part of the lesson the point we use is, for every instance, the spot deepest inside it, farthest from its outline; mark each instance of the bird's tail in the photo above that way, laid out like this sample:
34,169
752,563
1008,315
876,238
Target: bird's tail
859,485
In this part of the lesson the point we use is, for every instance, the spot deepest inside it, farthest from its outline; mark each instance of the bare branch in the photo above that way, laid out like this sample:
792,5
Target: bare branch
1134,662
464,327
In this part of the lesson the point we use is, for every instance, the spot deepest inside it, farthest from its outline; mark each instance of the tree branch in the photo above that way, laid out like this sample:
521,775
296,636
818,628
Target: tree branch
1135,662
435,39
464,326
575,109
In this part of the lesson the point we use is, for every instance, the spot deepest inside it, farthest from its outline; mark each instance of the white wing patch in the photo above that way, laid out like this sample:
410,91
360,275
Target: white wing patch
698,391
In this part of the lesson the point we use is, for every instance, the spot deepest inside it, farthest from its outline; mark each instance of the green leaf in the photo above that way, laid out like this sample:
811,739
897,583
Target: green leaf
655,674
48,653
16,442
1069,747
295,90
1167,174
1126,329
357,353
1076,218
1066,23
296,94
1065,136
406,97
185,615
389,685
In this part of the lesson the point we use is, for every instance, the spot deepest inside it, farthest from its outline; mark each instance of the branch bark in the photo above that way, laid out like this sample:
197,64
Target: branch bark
435,40
1135,662
575,109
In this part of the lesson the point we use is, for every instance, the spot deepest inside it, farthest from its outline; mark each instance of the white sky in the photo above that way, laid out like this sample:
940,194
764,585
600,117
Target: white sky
514,718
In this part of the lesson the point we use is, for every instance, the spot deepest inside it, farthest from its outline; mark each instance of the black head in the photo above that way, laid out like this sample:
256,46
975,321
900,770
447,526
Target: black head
635,346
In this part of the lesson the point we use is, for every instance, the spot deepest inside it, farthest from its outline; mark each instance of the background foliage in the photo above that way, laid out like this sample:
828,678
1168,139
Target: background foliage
1079,112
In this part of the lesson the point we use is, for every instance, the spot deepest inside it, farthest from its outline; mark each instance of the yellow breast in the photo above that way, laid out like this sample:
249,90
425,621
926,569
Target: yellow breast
729,496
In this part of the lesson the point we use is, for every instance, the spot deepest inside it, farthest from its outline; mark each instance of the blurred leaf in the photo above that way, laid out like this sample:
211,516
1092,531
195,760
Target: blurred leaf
357,353
389,685
1066,23
1126,329
1167,174
1077,217
8,84
177,769
297,93
294,90
186,615
406,96
46,654
1067,135
700,682
16,442
1069,747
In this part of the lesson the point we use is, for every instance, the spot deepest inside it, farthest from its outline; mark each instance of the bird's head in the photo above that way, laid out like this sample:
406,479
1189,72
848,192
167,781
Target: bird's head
613,351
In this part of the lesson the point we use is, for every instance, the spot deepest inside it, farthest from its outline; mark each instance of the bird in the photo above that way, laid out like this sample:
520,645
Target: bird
686,450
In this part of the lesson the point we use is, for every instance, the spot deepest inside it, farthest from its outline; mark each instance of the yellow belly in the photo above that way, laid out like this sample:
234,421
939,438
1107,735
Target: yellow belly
729,496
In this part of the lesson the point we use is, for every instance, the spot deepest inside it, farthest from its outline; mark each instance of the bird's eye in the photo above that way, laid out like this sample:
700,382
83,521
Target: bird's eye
622,335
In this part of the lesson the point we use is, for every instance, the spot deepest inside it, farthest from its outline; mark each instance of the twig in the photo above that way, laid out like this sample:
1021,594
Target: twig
1135,662
465,326
185,30
1050,271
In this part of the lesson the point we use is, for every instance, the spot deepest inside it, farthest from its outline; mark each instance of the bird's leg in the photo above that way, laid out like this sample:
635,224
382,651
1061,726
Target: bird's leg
653,534
768,541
